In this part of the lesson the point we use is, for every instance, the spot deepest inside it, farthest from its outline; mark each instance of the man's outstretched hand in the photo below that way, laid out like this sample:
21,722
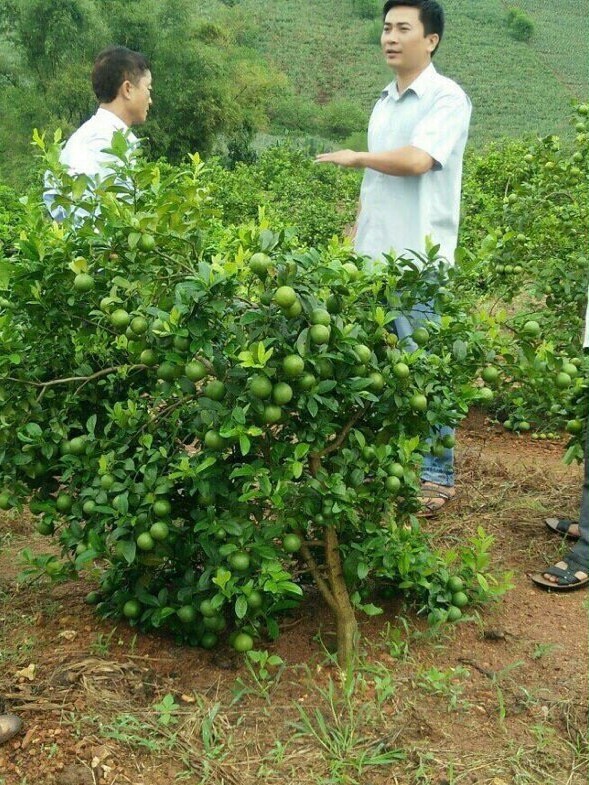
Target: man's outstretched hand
347,158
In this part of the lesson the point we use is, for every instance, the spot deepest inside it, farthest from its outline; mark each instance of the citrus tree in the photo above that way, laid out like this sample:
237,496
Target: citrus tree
526,217
207,417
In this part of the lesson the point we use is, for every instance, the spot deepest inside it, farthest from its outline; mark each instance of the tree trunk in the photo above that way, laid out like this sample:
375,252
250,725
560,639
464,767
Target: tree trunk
345,618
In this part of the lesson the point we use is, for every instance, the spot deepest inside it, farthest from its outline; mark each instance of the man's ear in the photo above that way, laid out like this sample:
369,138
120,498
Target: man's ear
125,89
433,40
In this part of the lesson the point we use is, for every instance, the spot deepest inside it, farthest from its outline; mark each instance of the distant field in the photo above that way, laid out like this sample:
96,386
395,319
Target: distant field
516,88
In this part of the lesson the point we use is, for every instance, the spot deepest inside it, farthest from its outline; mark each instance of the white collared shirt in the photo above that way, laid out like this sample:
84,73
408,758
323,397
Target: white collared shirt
398,214
84,153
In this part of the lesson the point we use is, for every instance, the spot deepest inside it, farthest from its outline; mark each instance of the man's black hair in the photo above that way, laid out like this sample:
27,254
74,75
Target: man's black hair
113,66
431,14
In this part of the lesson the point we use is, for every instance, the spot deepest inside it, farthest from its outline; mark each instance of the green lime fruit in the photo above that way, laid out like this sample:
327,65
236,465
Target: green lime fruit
162,508
563,380
195,370
285,297
376,381
132,609
107,481
77,445
181,343
418,402
320,316
64,502
89,507
145,542
396,470
448,441
209,640
368,453
83,283
293,366
485,394
159,531
454,613
282,393
363,353
401,370
295,310
531,328
146,243
186,614
459,599
455,583
490,374
392,484
120,319
571,369
319,334
255,600
325,368
352,271
166,372
148,357
46,528
271,414
291,543
215,390
206,609
4,500
260,386
307,382
243,642
139,325
239,561
259,264
92,598
213,440
574,427
420,335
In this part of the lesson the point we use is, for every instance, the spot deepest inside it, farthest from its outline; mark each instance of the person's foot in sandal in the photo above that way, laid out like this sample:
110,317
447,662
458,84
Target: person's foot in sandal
566,575
434,497
564,527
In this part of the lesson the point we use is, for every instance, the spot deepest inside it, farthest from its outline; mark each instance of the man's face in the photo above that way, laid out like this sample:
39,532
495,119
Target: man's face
139,99
404,43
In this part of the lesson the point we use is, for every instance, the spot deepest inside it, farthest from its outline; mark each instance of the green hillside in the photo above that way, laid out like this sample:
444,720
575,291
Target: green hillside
517,88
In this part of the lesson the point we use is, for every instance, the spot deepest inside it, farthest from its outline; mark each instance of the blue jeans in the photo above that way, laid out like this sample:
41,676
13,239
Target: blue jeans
434,469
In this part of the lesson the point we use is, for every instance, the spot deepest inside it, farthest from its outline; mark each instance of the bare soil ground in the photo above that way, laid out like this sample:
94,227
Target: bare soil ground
498,699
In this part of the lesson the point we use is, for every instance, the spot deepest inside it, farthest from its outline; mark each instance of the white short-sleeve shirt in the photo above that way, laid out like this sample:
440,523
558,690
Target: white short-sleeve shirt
410,213
84,152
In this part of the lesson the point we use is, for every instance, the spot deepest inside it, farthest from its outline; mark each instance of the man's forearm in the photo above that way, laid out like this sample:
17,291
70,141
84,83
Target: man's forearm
403,162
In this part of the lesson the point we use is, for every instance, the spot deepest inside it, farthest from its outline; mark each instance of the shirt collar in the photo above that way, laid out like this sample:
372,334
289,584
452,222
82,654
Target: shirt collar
111,118
417,86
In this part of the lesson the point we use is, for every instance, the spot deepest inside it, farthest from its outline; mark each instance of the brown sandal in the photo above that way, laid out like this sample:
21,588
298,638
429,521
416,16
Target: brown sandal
430,493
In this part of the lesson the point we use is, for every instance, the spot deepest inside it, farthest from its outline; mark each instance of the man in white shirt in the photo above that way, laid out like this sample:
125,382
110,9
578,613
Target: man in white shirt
121,80
410,195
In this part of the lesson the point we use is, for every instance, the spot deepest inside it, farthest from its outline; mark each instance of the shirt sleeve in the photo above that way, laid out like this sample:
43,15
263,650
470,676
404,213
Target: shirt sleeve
444,127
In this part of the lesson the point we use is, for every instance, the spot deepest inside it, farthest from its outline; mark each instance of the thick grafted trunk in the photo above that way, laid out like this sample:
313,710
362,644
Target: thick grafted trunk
345,618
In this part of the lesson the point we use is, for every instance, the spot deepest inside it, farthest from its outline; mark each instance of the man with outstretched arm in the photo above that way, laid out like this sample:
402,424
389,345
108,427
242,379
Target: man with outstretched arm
410,195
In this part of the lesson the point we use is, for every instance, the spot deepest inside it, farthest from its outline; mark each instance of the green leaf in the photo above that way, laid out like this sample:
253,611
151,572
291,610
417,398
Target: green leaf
241,606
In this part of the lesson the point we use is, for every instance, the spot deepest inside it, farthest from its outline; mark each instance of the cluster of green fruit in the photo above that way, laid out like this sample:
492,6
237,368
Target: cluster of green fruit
451,602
